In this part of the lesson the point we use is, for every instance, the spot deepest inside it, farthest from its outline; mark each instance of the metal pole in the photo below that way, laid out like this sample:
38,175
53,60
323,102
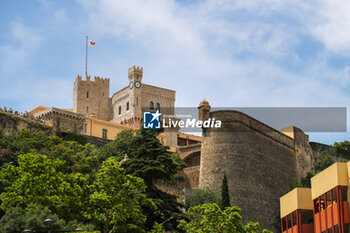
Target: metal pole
6,164
86,57
50,221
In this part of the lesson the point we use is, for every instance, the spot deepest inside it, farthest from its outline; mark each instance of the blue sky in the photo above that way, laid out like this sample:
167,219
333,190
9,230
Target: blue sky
243,53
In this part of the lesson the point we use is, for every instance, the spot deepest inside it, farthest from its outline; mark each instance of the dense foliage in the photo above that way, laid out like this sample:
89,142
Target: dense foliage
117,188
325,160
67,181
201,196
345,145
116,198
156,165
208,218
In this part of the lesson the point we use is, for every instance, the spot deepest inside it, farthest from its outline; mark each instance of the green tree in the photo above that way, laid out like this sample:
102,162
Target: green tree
116,199
81,139
225,195
342,145
21,142
16,219
38,180
12,221
157,228
295,183
208,218
155,164
306,181
325,161
201,196
77,157
119,147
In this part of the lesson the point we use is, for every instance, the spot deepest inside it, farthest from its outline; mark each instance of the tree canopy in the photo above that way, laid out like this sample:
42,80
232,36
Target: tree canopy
201,196
101,190
208,218
149,159
38,180
116,198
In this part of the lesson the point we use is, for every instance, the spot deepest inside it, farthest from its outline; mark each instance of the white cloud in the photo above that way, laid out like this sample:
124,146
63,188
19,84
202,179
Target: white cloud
211,43
156,23
233,53
329,22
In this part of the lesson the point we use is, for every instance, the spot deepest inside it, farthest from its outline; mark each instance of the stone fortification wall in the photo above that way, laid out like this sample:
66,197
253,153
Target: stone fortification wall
62,120
258,160
302,148
10,123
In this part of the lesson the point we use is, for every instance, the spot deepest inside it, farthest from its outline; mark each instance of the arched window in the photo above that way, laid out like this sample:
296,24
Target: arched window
87,95
120,110
127,106
151,105
157,106
87,109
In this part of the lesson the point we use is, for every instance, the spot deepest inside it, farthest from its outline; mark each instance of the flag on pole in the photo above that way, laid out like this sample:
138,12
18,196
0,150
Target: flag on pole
92,43
88,43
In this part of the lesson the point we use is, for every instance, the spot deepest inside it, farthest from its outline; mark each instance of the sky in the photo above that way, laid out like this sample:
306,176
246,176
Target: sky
241,53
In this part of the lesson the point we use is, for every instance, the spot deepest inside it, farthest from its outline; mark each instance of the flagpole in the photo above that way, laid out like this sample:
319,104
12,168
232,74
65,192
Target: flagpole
86,57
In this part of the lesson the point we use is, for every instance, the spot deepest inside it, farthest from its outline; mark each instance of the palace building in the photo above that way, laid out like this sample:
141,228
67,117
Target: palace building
258,160
126,105
323,208
101,117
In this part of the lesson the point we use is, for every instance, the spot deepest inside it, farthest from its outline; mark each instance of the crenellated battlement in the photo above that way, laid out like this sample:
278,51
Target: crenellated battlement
135,73
135,69
97,79
78,79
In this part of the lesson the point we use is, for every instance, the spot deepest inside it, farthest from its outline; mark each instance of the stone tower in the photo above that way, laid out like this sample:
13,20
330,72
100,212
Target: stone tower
92,97
203,110
135,74
126,103
258,160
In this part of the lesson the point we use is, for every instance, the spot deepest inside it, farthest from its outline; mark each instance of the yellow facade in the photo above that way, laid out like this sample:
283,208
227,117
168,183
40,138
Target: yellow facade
96,128
301,198
331,177
289,131
109,130
298,198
